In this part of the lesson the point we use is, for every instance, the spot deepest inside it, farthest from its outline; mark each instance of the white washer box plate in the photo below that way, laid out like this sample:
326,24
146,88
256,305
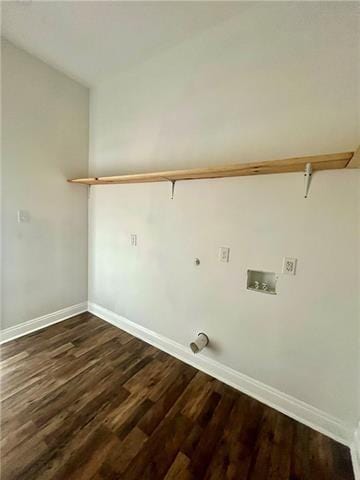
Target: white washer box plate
262,282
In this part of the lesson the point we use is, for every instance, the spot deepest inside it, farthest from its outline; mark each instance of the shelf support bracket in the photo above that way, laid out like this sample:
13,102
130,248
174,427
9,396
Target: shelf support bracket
307,177
172,189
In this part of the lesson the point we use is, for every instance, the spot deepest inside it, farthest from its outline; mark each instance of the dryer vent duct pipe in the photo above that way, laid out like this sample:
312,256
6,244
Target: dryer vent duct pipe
200,343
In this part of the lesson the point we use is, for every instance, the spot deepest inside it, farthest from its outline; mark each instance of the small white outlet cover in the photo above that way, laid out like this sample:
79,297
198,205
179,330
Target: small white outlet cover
23,216
289,266
224,254
133,238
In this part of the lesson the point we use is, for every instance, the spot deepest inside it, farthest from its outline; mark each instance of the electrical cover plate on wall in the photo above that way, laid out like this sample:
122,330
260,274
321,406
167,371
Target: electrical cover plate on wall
289,266
263,282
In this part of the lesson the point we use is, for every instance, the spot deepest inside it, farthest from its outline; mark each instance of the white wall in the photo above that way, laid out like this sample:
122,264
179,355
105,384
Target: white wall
278,80
44,141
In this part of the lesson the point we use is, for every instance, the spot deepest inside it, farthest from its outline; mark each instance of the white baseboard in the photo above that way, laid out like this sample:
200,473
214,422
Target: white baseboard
41,322
355,453
290,406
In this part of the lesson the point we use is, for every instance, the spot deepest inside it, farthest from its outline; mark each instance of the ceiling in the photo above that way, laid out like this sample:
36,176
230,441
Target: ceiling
91,40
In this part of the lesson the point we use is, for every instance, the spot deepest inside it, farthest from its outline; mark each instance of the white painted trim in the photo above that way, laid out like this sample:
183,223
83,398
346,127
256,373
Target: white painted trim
294,408
41,322
355,453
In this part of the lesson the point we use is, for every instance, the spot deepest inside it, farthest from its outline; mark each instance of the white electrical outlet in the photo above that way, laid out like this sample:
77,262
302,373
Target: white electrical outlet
224,254
23,216
289,266
133,238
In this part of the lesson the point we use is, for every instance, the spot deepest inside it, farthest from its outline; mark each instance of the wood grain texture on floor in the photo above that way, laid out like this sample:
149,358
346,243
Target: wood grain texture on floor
83,400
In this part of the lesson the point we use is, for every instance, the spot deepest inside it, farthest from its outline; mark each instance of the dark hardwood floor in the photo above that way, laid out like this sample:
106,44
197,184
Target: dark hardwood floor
83,400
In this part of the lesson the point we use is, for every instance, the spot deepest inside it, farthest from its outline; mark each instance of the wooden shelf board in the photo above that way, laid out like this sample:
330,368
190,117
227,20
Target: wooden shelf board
296,164
355,160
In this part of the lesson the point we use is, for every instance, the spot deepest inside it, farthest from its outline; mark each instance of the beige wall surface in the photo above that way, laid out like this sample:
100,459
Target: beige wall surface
44,141
278,80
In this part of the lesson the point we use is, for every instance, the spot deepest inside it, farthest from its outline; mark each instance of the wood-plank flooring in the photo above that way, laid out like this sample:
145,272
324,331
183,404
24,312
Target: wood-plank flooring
83,400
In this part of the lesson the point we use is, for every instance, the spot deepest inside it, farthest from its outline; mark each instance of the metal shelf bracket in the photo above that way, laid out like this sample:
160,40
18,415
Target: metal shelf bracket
172,189
307,177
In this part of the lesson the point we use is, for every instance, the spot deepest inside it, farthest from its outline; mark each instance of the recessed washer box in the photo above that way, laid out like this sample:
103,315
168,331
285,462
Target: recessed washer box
262,282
